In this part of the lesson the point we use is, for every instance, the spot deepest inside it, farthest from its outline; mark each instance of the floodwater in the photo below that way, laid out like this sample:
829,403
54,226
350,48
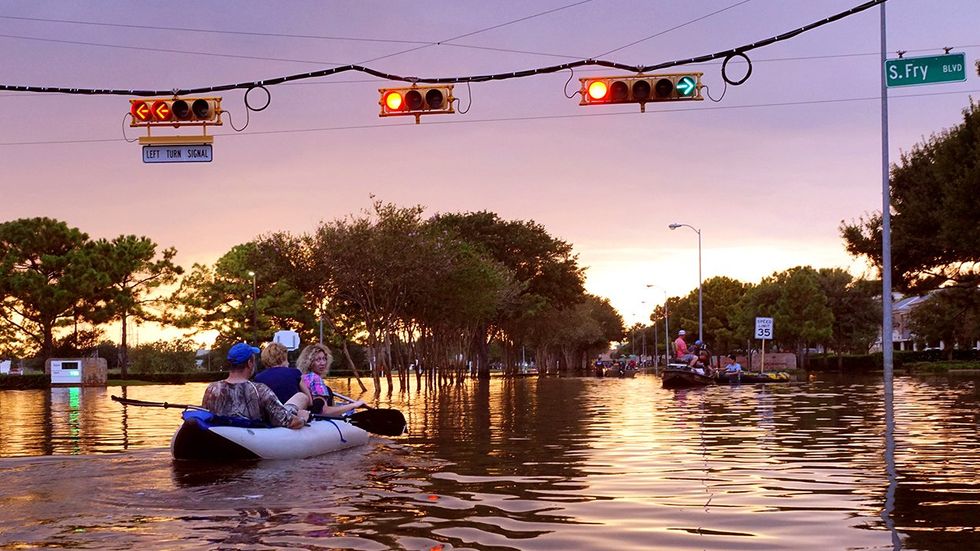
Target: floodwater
530,463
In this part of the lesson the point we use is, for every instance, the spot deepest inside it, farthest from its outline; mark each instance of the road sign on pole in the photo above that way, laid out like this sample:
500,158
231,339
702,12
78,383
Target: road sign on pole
933,69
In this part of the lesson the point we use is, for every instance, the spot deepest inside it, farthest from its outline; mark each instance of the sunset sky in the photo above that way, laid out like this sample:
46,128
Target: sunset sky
768,173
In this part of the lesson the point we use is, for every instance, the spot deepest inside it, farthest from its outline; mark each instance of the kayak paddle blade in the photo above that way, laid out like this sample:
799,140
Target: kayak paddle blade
385,422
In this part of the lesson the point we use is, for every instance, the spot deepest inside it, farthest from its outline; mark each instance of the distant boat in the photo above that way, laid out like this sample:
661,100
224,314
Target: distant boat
682,376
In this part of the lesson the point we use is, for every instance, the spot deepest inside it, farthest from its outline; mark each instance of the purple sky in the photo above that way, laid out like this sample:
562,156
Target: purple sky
768,173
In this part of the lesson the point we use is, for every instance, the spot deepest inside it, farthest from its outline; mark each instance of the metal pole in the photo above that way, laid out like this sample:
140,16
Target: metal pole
886,301
886,226
700,296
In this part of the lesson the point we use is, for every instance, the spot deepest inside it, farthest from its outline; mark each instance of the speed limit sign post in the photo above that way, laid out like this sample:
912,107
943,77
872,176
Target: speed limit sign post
763,331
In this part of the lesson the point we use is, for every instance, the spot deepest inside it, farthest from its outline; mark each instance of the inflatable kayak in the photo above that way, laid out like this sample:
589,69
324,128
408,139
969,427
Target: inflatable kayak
204,436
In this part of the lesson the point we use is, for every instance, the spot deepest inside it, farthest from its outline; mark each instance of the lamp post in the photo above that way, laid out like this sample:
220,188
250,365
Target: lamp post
255,310
666,327
700,303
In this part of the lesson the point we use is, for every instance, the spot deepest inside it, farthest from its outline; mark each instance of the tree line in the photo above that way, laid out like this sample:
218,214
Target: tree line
810,307
425,296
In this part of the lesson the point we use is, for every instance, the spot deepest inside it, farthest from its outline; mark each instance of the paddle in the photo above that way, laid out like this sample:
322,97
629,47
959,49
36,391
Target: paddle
386,422
144,403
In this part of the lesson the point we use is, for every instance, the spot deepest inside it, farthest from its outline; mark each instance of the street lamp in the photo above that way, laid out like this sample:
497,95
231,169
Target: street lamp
700,296
255,310
666,327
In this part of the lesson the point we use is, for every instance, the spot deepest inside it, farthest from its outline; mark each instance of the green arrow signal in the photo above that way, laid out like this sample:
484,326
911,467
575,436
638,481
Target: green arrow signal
686,85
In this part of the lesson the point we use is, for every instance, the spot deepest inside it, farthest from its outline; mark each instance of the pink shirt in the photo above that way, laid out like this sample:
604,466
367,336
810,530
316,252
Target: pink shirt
680,346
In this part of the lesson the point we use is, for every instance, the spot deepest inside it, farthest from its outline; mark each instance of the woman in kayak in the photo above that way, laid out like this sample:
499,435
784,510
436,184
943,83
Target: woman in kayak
236,396
314,361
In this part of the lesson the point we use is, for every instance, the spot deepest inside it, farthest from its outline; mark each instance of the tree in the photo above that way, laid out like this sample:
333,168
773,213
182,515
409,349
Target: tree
935,237
720,302
49,272
856,312
950,315
544,267
221,299
134,272
802,313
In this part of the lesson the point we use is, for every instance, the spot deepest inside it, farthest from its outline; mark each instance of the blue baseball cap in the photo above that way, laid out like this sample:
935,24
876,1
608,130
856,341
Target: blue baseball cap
241,352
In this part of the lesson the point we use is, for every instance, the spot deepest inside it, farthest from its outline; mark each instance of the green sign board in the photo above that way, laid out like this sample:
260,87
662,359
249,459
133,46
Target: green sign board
934,69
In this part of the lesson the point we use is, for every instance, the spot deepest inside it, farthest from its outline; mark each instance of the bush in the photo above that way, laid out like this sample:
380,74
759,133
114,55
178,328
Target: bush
175,356
852,363
25,382
174,378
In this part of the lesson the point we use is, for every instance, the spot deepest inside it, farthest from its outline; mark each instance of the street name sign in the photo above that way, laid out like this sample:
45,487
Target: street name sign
934,69
763,328
200,153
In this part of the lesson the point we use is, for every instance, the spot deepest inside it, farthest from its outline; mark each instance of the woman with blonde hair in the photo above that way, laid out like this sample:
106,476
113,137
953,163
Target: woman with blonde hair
285,381
314,361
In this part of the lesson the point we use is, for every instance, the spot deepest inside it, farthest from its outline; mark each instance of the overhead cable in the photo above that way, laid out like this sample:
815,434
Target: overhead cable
725,54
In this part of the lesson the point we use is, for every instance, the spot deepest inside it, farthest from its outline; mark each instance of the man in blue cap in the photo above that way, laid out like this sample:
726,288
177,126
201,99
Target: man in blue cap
238,396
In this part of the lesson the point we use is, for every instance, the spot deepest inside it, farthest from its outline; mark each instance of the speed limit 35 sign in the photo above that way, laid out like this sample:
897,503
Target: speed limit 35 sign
763,328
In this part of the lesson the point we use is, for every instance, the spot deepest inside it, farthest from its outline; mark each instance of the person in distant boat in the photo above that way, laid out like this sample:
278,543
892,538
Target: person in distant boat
314,361
285,381
680,346
701,364
236,396
732,367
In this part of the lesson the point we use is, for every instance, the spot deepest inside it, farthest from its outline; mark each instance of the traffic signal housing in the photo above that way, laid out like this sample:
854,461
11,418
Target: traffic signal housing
641,89
175,112
416,101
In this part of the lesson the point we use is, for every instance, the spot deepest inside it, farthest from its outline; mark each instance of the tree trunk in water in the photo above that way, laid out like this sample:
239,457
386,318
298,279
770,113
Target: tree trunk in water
482,349
123,350
350,363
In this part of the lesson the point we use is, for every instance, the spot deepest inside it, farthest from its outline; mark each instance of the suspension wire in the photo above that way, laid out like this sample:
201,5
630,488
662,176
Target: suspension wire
734,52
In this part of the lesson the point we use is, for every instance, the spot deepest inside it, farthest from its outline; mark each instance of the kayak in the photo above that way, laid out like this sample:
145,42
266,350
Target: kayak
750,377
204,436
682,376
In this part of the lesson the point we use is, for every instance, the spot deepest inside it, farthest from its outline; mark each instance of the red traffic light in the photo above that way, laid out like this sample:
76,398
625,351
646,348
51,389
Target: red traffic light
416,101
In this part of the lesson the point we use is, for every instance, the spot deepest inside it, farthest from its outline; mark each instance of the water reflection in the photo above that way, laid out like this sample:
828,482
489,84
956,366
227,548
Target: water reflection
516,464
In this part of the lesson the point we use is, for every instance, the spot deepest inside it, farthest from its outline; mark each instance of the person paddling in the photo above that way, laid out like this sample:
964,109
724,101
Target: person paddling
314,361
236,396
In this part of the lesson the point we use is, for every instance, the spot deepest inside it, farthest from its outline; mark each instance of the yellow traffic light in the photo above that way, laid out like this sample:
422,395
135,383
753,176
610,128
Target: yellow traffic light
416,101
175,112
641,89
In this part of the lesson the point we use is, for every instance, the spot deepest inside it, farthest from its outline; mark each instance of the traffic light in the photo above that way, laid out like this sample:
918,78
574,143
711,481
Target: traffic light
175,112
641,89
416,101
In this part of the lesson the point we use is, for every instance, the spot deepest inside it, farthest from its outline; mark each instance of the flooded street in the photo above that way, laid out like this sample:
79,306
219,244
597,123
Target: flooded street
515,464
